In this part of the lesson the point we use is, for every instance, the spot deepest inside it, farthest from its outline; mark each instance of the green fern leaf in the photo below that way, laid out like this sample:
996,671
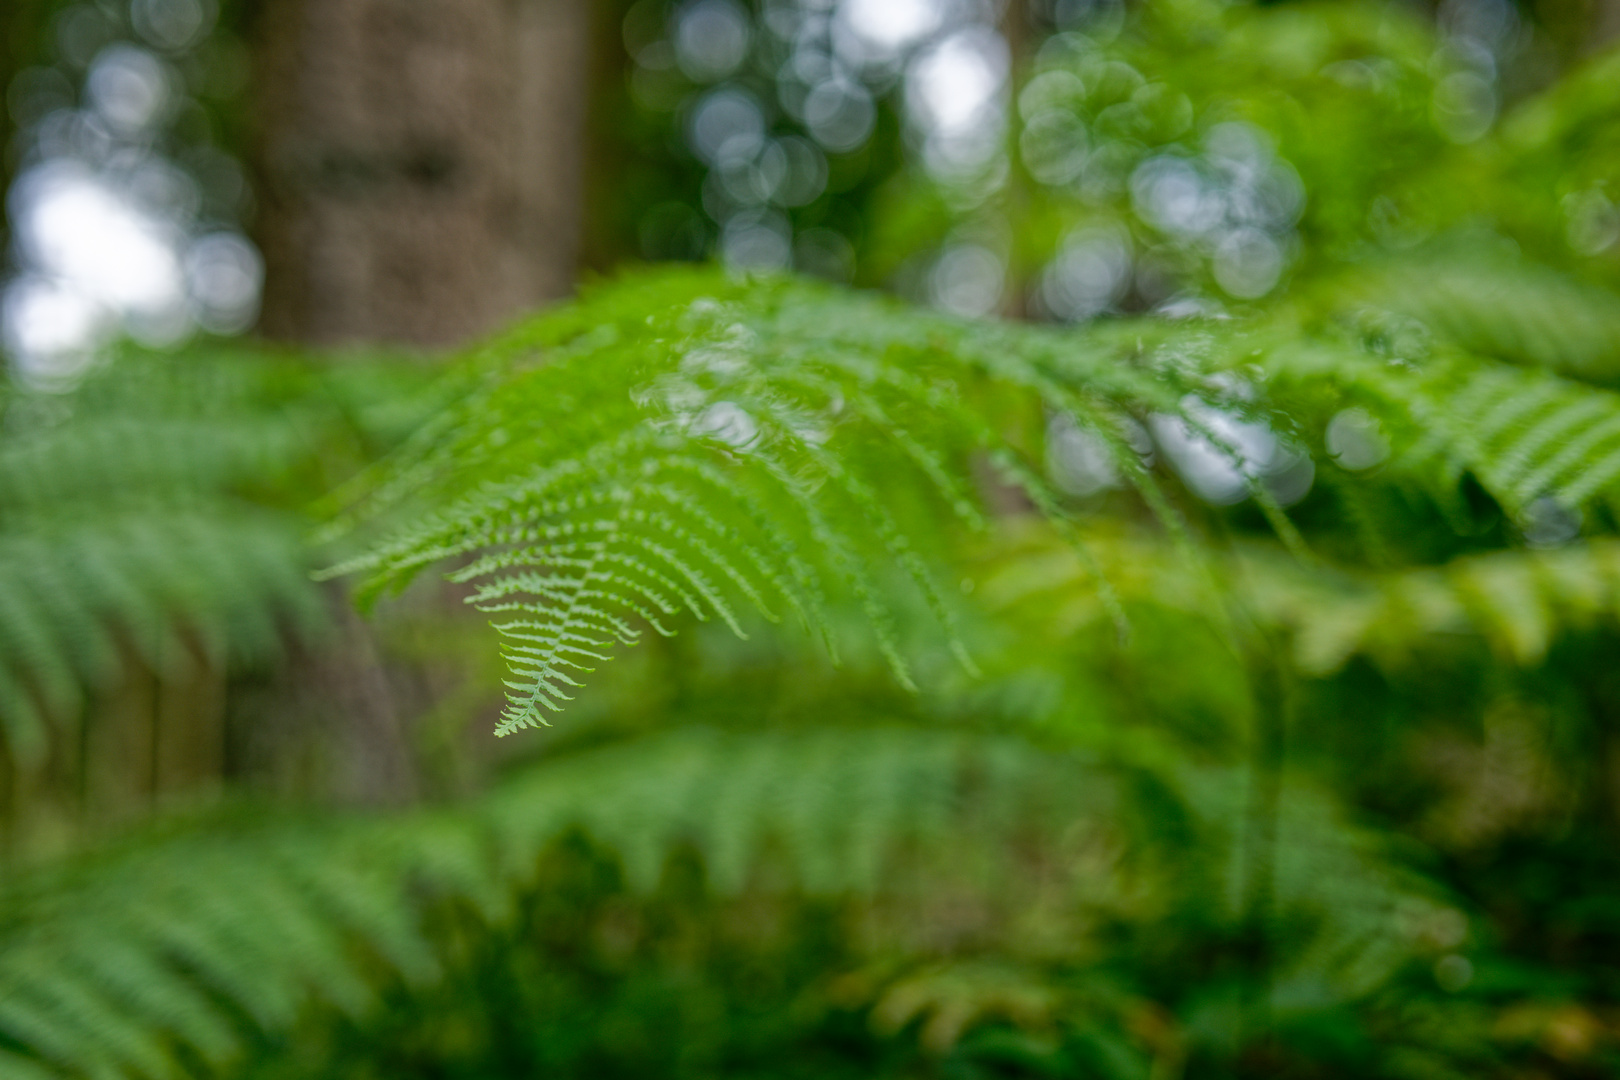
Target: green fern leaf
688,443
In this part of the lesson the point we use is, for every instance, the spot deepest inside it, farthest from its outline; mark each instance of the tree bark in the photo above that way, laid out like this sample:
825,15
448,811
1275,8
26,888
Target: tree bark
419,179
419,164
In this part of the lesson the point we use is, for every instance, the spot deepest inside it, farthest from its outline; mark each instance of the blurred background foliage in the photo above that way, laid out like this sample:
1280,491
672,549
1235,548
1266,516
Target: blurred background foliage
1358,818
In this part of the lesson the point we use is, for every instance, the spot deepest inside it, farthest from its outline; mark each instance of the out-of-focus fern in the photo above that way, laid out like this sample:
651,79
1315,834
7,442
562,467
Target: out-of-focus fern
177,949
1523,434
840,806
78,599
150,515
132,965
1498,306
1516,603
126,966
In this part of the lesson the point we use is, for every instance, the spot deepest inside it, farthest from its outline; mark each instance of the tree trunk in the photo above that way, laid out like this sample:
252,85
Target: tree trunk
419,164
419,176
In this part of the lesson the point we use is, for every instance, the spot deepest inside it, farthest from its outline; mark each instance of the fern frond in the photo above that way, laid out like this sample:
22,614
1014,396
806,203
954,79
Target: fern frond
1516,603
1496,306
131,965
1328,872
150,518
689,442
178,950
1523,434
838,805
80,598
